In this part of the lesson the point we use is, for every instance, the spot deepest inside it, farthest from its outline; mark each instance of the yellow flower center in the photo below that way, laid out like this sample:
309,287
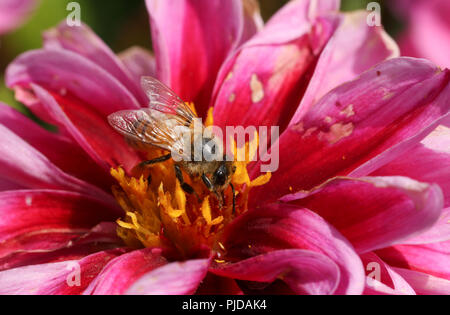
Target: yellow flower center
161,214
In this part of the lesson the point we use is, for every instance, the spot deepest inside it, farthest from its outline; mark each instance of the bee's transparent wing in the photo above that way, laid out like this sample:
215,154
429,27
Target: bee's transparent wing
164,100
149,127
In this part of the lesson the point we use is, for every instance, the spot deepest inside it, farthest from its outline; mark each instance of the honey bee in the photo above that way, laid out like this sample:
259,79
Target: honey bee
164,124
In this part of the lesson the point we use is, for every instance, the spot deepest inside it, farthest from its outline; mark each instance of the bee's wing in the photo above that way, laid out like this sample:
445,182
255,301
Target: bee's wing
164,100
149,127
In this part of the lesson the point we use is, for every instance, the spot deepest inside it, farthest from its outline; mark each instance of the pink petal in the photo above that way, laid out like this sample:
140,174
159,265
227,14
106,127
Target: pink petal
190,52
433,259
37,248
172,279
354,48
139,62
263,82
425,284
13,13
375,212
55,278
282,226
23,165
382,279
91,130
371,119
123,271
59,149
47,219
304,271
429,17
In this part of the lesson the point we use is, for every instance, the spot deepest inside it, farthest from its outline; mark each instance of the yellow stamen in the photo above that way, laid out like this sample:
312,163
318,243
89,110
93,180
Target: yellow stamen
261,180
209,117
162,214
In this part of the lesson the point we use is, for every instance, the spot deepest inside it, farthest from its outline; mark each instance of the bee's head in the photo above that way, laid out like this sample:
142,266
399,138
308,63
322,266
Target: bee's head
222,175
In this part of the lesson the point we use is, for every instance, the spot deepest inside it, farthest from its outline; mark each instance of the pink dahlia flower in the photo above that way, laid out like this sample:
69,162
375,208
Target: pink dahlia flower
360,202
427,33
13,13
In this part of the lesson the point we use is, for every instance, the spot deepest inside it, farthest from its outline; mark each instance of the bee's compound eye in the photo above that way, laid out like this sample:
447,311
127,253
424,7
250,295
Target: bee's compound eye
220,176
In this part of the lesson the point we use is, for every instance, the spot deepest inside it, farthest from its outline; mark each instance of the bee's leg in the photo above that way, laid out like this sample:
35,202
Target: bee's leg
207,182
234,198
185,186
157,160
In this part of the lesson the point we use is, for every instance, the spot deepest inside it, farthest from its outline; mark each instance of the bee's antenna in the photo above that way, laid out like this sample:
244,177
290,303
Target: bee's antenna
234,198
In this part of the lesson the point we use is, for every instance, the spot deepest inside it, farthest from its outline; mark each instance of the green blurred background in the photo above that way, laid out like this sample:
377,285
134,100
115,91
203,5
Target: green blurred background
120,24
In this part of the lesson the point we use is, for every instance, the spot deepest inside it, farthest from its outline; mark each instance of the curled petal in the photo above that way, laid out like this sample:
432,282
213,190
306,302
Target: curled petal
375,212
282,226
304,271
172,279
83,41
68,277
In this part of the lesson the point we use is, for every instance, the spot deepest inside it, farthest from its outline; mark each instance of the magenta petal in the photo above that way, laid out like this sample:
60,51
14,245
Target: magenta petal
282,226
54,246
354,48
172,279
139,63
190,51
68,277
263,81
83,41
375,212
360,125
425,284
21,164
433,259
47,219
60,150
304,271
123,271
